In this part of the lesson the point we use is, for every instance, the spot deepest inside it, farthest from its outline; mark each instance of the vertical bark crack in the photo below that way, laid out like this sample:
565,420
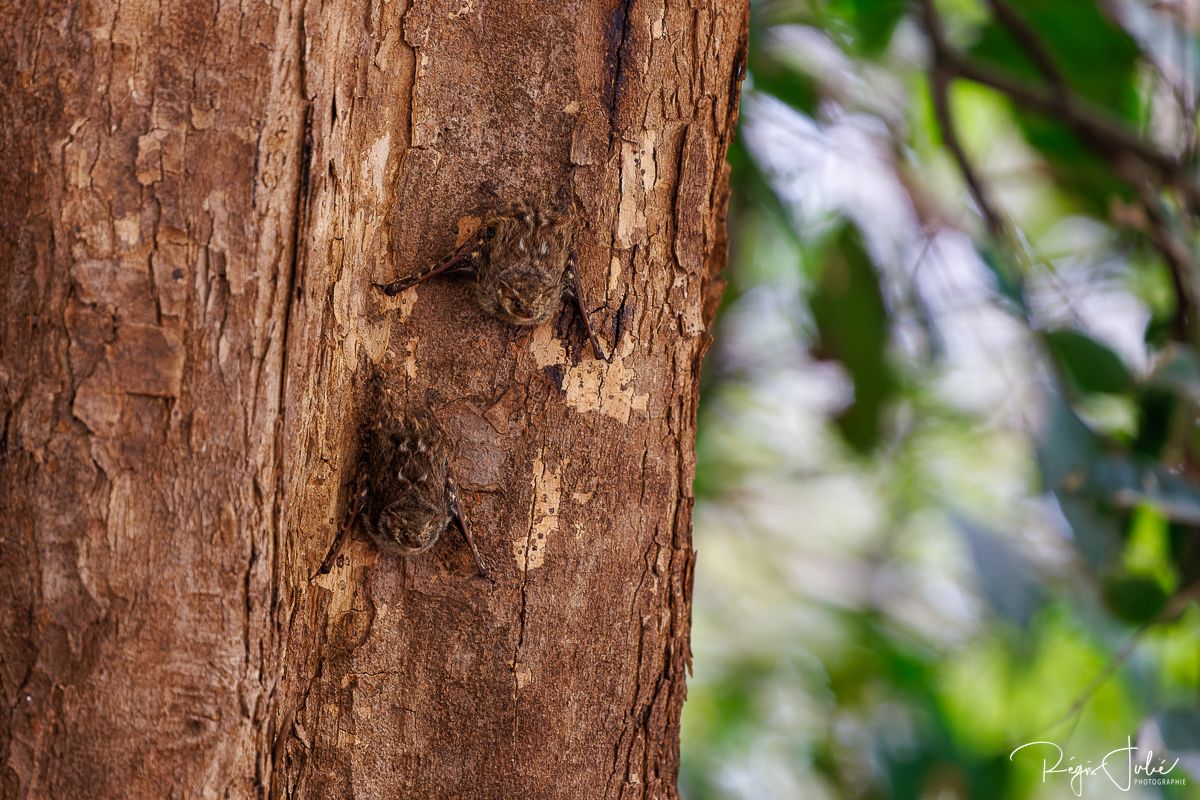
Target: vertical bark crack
291,288
521,619
616,36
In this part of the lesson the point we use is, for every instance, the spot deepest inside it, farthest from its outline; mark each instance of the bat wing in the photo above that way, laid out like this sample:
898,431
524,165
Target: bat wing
452,498
464,259
575,289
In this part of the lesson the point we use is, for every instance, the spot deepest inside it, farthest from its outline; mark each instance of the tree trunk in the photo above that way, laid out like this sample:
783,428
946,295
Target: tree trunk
197,199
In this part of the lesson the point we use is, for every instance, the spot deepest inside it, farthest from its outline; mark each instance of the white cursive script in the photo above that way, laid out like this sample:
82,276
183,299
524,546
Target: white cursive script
1119,766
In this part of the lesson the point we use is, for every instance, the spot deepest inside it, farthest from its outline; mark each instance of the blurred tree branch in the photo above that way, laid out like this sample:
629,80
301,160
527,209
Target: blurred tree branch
1178,603
940,82
1130,156
1175,252
1029,39
1092,125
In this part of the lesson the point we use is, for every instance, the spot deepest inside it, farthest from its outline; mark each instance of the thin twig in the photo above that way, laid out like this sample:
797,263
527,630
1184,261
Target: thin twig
941,106
1028,38
1175,606
1185,275
1092,125
1185,91
939,79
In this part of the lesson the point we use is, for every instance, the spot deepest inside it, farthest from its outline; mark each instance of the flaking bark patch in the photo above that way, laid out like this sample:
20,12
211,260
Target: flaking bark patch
530,550
147,359
592,386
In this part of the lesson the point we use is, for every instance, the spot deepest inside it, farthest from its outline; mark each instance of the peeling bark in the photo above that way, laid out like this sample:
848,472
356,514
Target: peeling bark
198,199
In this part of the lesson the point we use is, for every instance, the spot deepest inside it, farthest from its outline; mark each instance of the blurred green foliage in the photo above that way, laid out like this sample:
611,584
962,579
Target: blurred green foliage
949,462
851,319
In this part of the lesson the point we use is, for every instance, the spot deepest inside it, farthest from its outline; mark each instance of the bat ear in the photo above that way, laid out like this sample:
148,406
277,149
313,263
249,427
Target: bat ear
434,404
378,389
490,188
566,202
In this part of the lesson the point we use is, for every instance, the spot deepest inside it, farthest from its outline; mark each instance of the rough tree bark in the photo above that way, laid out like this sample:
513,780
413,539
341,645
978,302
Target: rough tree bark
197,198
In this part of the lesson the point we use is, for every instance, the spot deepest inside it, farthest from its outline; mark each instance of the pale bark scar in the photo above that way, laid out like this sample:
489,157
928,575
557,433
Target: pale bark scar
149,158
639,176
374,167
530,549
358,554
593,385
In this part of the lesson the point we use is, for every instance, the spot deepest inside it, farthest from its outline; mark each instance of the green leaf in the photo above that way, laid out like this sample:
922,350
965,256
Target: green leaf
1148,547
1086,177
1179,373
872,22
1173,385
853,328
1009,282
1096,490
1155,409
1125,484
1097,57
1091,366
1098,61
1134,598
787,84
1097,530
1180,729
1066,450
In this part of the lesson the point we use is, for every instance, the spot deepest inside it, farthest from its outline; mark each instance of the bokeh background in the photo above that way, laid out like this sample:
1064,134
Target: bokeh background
947,494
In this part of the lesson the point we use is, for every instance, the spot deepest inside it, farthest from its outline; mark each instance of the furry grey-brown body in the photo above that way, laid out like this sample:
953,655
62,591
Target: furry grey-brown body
522,266
404,492
404,473
523,263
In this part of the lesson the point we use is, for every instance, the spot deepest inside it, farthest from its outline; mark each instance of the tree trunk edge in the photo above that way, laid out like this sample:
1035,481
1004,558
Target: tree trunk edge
193,230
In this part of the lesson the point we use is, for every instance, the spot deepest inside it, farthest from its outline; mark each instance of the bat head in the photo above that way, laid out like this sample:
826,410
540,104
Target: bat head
411,525
521,280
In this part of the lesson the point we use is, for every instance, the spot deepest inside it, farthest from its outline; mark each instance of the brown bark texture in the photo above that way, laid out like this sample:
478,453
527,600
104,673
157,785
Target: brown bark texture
197,198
